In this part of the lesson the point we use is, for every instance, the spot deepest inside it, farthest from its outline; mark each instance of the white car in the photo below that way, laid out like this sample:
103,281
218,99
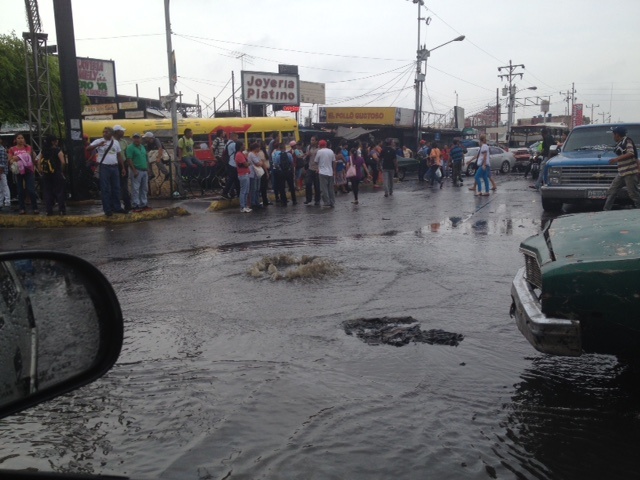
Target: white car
500,160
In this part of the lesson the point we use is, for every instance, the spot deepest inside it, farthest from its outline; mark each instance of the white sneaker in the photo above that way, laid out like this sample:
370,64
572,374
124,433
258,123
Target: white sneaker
246,210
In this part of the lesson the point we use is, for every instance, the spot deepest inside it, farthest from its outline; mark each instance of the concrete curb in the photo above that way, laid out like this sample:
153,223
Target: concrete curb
223,204
42,221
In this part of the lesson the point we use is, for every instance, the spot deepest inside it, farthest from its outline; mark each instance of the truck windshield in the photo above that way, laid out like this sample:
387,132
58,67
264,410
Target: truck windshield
595,138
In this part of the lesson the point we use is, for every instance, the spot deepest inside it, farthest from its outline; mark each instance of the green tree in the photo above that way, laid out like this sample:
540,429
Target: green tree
14,105
13,80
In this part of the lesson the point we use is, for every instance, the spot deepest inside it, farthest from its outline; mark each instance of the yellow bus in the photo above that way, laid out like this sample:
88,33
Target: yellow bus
204,129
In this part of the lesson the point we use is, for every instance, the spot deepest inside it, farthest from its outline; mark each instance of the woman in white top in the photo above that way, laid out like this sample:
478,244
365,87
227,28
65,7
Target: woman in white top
257,171
483,165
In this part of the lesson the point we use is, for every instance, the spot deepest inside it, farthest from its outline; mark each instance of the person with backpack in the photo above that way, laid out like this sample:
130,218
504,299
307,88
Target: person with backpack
283,174
51,162
229,157
217,146
298,157
22,156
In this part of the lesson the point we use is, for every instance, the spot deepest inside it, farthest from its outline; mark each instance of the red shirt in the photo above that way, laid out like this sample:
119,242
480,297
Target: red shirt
242,164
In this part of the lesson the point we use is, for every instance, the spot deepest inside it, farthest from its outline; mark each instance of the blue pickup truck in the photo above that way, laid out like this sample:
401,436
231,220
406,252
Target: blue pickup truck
581,173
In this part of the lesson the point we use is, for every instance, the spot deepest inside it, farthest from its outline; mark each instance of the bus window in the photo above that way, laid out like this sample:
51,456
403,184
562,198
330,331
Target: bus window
288,136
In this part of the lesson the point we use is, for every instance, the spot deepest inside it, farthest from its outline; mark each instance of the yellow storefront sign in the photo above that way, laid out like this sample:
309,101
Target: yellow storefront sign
361,115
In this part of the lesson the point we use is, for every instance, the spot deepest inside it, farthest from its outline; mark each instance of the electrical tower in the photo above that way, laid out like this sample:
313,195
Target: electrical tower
38,79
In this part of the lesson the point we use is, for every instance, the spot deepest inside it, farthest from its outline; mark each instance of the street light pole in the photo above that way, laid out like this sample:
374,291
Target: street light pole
422,54
419,81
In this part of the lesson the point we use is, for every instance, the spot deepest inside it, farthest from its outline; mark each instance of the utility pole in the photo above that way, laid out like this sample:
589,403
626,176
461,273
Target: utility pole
570,98
421,54
604,114
591,107
173,79
70,87
509,76
497,112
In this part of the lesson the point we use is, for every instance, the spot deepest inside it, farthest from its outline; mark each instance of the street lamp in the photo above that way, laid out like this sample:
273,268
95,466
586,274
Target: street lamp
422,54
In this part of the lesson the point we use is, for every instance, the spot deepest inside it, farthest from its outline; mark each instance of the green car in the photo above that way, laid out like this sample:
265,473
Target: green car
406,165
579,291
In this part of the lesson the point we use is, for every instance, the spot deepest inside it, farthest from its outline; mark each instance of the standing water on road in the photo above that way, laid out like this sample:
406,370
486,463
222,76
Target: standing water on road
226,375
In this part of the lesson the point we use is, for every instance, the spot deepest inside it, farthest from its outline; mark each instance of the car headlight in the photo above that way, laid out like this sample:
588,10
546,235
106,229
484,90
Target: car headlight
555,175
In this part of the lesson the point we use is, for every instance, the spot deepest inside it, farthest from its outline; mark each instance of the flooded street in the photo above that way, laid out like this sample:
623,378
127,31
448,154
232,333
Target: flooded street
224,375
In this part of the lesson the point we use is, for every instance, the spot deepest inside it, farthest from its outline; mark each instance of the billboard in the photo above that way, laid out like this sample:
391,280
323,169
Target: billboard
577,119
97,78
270,88
312,92
359,115
405,117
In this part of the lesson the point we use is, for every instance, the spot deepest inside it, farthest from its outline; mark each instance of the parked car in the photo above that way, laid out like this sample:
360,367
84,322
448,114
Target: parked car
406,165
578,290
500,160
581,173
522,156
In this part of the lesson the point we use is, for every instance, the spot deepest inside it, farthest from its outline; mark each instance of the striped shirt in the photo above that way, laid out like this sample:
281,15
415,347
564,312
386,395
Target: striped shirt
630,165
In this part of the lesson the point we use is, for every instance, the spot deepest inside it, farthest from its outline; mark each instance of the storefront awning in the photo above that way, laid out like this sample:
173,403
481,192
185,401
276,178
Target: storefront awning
351,133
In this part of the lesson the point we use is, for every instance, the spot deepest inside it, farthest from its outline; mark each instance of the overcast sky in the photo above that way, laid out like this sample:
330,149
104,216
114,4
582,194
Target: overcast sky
364,50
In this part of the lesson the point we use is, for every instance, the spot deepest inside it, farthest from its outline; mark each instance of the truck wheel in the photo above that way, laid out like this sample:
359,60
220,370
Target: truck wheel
551,205
402,172
505,167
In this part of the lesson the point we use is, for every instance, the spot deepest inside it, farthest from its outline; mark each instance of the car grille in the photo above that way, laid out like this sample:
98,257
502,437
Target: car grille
591,175
533,273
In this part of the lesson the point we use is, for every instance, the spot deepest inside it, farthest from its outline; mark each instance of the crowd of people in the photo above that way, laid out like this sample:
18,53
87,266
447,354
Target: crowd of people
321,169
317,172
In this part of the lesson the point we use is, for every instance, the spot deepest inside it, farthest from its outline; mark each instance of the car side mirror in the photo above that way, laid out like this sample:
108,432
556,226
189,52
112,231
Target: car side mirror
61,327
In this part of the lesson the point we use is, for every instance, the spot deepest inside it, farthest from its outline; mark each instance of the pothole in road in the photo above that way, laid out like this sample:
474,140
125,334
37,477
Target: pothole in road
289,267
398,331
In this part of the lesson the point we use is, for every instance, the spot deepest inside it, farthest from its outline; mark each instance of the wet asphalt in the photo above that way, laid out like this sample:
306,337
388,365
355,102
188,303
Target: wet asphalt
228,375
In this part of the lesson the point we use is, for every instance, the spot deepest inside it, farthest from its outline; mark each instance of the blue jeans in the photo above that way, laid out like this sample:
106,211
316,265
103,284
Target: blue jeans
245,185
139,188
540,179
189,161
255,191
110,188
29,186
482,174
387,179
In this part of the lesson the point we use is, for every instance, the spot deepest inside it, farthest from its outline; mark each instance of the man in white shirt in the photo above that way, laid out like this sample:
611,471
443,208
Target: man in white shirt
326,159
111,164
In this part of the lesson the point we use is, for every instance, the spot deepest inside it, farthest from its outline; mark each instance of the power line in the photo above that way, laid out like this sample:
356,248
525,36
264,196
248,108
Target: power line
290,49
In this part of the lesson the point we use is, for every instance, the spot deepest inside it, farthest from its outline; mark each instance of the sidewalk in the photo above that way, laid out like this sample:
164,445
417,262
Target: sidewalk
87,213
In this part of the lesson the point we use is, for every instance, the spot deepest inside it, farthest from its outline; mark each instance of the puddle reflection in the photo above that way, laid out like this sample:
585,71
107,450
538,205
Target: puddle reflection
498,226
